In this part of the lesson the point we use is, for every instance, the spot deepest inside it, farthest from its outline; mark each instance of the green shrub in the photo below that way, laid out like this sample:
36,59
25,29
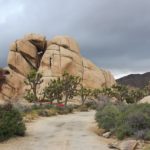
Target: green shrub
42,106
107,117
146,135
136,119
91,104
47,112
122,131
31,115
64,110
11,122
70,108
83,108
126,120
102,101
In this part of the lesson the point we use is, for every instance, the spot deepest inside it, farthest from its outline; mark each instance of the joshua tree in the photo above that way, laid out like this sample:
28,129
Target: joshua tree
54,90
108,91
33,80
135,95
146,89
120,92
96,93
84,93
70,84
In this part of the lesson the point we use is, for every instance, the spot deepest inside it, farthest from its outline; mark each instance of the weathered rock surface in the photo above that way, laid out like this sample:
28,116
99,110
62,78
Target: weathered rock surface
125,145
51,58
145,100
106,134
128,145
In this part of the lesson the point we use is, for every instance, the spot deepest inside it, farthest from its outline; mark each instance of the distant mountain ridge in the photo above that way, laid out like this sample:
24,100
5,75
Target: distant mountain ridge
135,80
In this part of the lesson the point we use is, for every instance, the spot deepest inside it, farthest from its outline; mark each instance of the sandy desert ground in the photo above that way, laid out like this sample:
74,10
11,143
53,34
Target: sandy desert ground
66,132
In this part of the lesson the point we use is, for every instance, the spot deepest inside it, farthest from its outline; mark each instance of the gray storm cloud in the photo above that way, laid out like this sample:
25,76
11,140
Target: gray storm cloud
115,34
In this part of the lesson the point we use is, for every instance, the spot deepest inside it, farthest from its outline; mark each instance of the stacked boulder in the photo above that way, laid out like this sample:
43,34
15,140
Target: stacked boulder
51,58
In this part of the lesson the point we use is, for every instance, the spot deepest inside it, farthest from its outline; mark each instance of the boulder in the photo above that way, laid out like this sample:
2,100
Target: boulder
27,49
125,145
128,145
114,145
51,58
93,77
18,63
145,100
106,134
66,42
37,40
13,86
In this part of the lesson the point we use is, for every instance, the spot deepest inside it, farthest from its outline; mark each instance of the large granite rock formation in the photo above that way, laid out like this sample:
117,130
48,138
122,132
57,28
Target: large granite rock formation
51,58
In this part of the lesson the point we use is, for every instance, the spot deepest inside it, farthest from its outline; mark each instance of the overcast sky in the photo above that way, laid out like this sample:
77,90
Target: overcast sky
114,34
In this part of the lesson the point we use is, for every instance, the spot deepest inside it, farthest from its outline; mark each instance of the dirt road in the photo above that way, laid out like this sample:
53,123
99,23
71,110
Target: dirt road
67,132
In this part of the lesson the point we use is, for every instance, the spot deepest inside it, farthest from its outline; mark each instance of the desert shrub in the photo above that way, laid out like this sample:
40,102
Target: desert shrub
75,106
64,110
146,135
11,122
91,104
107,117
44,110
122,131
126,120
22,106
102,101
83,108
136,119
70,108
31,115
47,112
42,106
143,134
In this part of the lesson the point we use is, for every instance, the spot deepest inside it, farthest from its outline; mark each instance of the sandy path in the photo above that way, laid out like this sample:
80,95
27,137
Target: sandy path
67,132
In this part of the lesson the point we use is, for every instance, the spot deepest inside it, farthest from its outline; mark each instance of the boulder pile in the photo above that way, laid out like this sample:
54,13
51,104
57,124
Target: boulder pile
51,58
